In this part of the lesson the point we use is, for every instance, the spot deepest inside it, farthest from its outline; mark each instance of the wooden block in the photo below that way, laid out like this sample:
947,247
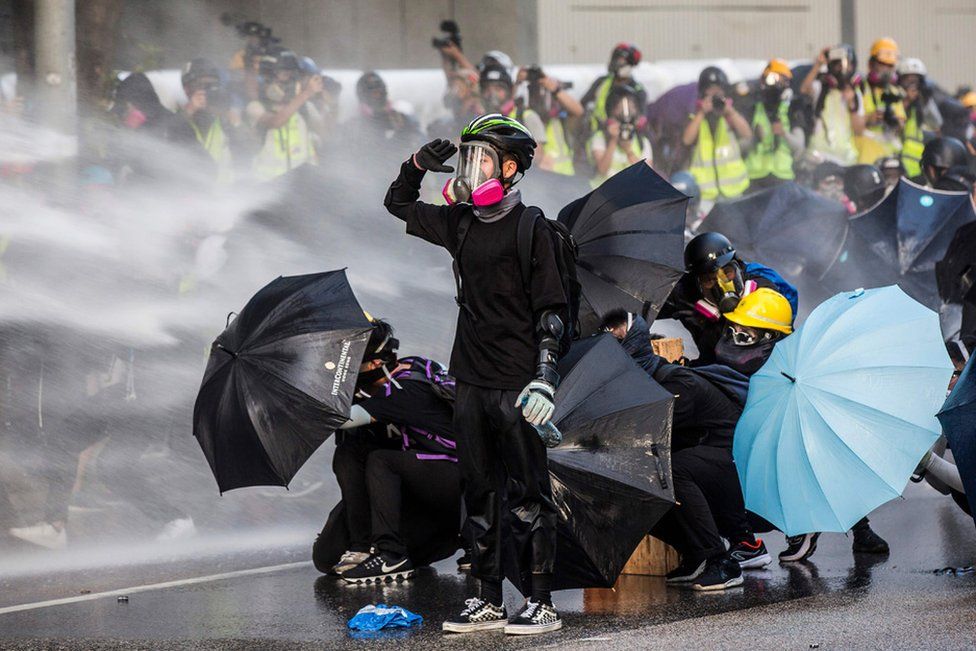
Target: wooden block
652,558
670,348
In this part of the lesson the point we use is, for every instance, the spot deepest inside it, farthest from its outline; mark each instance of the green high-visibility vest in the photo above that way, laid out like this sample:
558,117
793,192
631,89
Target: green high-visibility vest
770,156
912,145
717,163
290,150
215,142
556,148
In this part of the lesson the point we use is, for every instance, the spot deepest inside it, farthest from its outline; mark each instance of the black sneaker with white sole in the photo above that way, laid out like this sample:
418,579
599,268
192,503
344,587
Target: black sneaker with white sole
720,573
379,567
799,548
688,571
534,618
750,555
478,615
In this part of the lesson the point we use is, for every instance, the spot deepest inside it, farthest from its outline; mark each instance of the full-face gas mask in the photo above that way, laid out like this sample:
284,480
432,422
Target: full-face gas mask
743,349
479,176
723,288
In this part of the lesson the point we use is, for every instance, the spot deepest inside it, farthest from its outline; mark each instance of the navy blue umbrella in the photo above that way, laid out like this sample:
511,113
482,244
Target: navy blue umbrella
958,418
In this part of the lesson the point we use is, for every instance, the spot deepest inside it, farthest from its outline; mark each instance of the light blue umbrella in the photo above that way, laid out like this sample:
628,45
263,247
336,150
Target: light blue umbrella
842,412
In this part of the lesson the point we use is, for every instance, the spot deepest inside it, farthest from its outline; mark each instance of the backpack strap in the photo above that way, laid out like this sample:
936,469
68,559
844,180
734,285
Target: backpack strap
523,245
464,225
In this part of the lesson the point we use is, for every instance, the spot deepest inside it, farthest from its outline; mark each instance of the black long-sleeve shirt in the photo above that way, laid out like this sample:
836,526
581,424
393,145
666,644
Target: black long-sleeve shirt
495,344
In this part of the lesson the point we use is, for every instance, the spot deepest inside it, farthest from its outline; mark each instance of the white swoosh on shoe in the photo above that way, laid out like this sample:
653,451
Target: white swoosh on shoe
386,568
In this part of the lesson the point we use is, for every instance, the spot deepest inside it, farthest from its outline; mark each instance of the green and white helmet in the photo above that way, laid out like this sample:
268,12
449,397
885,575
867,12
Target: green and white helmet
505,134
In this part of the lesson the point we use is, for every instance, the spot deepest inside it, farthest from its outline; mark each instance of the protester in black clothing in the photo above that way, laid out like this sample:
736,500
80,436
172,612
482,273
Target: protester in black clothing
708,403
407,465
504,355
715,280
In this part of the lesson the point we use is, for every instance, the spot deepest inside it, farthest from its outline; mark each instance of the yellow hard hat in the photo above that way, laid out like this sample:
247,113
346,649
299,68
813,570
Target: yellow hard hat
765,309
969,99
885,50
778,67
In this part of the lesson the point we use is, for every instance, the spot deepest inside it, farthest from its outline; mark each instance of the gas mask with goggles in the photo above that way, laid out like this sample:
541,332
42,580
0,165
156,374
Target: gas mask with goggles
743,349
721,291
773,89
478,179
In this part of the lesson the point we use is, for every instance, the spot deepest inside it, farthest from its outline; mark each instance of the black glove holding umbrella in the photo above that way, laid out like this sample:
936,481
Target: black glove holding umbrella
630,234
280,379
611,475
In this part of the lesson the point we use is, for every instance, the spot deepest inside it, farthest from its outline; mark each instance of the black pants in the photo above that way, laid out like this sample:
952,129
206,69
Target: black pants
382,487
503,465
710,503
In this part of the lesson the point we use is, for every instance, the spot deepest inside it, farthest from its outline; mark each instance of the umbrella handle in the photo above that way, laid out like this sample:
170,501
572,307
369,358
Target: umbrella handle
657,464
549,434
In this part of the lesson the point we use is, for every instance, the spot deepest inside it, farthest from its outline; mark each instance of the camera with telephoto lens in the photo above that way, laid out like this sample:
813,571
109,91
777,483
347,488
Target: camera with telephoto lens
718,103
452,35
534,74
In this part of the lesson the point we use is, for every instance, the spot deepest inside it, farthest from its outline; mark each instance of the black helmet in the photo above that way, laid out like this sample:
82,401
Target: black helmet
199,69
707,252
287,60
629,53
505,134
493,72
943,153
864,185
712,76
957,178
369,83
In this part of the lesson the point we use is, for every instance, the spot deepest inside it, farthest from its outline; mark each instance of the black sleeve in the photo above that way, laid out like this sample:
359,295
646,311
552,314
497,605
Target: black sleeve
436,224
698,403
590,94
546,289
678,300
393,408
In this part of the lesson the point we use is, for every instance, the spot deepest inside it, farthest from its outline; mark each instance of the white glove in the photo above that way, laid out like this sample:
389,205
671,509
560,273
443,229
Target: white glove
536,402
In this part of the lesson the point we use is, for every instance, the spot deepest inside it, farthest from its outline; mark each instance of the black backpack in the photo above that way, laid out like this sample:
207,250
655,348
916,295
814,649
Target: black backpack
433,374
566,251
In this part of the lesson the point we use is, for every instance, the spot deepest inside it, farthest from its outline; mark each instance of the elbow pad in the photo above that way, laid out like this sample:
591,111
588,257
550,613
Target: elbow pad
549,331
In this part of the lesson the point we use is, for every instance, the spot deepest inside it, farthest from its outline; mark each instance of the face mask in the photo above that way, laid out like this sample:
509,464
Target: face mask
368,378
487,194
726,290
881,78
744,359
625,72
134,118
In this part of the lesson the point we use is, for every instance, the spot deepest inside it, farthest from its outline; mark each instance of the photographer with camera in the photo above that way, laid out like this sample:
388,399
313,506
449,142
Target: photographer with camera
206,121
922,114
833,85
620,71
461,98
717,132
884,114
557,112
621,141
279,118
776,143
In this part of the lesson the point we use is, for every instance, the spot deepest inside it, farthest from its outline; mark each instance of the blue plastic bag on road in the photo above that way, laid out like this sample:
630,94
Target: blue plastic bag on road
380,616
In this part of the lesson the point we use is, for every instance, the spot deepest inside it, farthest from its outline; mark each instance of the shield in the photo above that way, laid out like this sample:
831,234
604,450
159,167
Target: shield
280,379
611,475
630,233
843,410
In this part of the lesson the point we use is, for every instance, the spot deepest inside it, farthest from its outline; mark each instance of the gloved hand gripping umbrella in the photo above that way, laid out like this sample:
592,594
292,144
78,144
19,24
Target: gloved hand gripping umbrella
611,475
280,379
842,411
958,418
630,233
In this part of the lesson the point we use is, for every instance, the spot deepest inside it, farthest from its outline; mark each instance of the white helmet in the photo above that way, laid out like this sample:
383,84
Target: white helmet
912,66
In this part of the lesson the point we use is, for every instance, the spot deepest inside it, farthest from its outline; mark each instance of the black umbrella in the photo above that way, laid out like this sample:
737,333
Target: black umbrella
955,275
611,475
630,233
902,238
280,379
788,227
958,419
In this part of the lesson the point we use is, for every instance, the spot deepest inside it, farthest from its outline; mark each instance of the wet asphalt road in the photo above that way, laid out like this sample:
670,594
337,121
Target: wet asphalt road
837,600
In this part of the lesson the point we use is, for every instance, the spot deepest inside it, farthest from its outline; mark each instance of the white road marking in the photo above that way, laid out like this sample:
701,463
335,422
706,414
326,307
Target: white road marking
152,586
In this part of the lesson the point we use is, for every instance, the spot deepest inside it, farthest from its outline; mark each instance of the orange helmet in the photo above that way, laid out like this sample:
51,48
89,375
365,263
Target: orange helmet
969,99
885,50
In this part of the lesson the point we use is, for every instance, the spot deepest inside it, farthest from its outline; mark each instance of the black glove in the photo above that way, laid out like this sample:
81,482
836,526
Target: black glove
431,156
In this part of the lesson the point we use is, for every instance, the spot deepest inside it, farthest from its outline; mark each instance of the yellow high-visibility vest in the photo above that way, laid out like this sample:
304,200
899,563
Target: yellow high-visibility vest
772,155
290,150
215,142
912,145
717,163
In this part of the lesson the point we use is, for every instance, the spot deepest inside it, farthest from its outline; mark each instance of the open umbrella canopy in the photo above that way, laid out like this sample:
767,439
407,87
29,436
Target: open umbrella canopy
630,233
611,475
788,227
280,379
958,418
956,278
842,412
902,238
